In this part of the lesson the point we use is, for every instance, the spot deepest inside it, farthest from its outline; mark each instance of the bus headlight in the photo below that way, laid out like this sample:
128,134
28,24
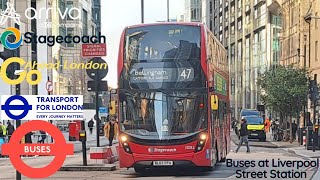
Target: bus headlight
125,144
124,138
201,142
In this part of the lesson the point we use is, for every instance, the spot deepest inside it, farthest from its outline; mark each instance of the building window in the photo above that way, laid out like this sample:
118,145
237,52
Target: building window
232,10
3,4
210,7
239,25
232,54
195,10
232,29
239,51
220,18
70,33
232,86
93,30
69,6
316,51
247,18
62,6
210,24
239,3
62,32
84,22
240,81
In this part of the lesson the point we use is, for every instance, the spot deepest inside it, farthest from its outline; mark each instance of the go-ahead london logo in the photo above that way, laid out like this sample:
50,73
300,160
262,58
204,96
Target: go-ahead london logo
4,38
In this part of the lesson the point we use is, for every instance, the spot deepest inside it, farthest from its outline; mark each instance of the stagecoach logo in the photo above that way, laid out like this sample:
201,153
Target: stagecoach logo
161,150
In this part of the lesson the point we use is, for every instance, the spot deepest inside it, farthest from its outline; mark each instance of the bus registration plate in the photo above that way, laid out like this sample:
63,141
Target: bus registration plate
163,163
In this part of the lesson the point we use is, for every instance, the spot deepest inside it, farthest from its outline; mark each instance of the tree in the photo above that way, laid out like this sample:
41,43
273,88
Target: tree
286,89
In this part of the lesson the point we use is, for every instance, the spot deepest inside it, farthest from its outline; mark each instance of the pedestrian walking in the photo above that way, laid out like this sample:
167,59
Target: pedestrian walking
267,125
28,138
3,130
294,130
10,130
43,137
90,125
111,130
244,135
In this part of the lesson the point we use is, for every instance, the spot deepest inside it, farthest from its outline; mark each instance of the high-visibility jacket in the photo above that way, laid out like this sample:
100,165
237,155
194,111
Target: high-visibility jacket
4,129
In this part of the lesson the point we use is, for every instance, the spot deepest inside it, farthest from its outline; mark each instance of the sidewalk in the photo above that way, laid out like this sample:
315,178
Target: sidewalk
41,161
91,141
267,144
294,147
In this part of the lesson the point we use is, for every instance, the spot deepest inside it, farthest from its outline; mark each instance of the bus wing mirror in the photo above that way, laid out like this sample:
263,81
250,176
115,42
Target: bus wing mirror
214,102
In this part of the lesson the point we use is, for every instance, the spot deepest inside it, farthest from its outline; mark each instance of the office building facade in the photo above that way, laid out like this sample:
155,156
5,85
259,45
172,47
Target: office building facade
67,81
248,30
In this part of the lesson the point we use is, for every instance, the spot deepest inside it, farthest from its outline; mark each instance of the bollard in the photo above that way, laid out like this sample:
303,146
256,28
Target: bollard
83,139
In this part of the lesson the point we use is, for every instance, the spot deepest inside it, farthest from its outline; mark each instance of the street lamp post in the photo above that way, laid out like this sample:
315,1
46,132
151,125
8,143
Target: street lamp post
142,11
308,19
168,19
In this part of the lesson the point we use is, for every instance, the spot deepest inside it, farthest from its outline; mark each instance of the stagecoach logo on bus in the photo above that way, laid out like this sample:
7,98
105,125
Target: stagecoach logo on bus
42,107
161,150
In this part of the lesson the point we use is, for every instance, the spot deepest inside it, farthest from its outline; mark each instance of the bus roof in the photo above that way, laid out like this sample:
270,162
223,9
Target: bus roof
167,23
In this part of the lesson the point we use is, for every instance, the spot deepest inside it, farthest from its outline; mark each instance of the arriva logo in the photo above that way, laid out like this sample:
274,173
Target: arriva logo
4,38
32,13
10,12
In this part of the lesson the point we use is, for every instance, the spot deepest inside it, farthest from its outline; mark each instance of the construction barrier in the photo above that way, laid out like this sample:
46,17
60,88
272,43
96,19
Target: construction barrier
104,155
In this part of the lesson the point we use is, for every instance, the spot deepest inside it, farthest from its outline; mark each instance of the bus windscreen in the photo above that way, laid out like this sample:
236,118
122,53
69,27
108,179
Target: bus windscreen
162,57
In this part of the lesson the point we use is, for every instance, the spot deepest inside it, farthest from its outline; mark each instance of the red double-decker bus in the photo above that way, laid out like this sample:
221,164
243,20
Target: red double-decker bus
173,105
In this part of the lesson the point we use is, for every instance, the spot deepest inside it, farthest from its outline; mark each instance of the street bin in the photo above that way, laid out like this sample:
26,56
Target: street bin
309,143
73,133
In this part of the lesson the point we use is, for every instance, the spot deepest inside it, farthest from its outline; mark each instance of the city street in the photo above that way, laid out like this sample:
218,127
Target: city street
162,82
220,172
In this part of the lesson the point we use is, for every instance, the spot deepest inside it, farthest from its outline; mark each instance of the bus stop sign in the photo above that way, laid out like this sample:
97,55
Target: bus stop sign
60,149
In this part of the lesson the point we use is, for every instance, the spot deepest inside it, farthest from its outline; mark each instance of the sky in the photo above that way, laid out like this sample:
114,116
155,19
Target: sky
117,14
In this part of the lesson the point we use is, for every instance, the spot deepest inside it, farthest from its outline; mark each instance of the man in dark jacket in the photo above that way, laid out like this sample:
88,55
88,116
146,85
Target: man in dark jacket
10,130
243,135
294,130
90,125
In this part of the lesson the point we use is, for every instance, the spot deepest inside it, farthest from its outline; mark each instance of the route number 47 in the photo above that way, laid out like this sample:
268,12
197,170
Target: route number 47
185,74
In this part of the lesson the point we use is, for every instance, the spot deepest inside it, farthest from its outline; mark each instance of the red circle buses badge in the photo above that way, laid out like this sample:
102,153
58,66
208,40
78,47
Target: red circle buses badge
60,149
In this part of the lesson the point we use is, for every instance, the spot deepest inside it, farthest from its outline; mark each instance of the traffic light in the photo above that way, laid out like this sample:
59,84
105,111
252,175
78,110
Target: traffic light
313,90
112,108
6,54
